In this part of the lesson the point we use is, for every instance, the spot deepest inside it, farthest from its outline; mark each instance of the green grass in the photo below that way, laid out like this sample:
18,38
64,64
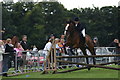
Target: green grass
93,73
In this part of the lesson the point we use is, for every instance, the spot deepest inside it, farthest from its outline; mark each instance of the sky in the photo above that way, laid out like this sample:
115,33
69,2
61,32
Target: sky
70,4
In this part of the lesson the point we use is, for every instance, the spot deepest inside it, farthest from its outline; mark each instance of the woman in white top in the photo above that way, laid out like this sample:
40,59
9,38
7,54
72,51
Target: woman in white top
2,50
47,48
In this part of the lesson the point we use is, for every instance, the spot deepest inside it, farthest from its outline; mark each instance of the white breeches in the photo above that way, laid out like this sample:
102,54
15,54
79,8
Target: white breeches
83,32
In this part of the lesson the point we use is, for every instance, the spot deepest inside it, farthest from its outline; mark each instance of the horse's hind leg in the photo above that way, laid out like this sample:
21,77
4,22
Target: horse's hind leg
92,51
84,52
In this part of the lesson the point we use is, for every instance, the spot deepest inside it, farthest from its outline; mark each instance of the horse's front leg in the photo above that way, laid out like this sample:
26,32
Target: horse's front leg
64,47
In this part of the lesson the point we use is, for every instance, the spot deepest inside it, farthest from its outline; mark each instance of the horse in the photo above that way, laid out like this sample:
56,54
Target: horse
74,41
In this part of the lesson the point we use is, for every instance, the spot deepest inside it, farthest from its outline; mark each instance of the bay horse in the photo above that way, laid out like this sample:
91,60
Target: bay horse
73,41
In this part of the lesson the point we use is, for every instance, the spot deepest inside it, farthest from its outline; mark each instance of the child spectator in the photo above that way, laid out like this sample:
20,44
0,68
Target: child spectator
18,48
61,44
57,41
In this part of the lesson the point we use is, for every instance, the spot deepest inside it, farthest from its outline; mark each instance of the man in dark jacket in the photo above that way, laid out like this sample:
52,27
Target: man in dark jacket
24,42
80,28
25,47
114,43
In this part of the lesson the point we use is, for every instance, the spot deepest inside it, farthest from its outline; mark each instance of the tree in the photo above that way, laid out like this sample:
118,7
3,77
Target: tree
39,20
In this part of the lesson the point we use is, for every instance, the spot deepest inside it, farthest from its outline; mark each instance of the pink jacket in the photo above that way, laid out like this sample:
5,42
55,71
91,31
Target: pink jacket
19,52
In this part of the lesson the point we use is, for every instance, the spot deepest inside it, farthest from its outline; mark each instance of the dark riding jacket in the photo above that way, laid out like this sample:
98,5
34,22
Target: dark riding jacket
80,27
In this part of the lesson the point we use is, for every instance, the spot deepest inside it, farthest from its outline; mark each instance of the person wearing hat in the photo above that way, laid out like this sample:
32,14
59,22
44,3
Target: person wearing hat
80,28
95,42
52,36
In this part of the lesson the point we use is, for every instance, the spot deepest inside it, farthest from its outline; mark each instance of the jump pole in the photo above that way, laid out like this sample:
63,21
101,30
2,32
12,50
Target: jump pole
99,66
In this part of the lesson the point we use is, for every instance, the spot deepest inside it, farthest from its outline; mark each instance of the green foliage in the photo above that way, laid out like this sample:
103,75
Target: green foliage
39,20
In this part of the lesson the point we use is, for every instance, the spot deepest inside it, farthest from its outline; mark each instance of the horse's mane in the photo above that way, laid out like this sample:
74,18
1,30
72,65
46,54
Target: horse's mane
71,22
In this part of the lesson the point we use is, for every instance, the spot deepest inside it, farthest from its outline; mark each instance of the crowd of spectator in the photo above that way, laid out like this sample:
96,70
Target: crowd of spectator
59,45
8,50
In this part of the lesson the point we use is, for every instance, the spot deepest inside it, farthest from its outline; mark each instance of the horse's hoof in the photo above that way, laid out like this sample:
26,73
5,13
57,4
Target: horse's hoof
73,54
89,68
44,72
54,72
66,53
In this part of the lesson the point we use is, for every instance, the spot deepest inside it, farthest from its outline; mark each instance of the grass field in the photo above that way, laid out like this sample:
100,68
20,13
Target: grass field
93,73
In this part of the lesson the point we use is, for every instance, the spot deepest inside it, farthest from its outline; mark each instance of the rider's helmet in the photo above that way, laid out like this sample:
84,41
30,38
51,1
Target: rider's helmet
76,19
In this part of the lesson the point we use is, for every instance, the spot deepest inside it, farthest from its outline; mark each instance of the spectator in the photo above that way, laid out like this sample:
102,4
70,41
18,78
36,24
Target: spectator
24,43
35,48
57,41
47,48
62,37
52,36
15,40
8,56
25,47
117,45
2,50
118,52
61,49
18,48
114,43
95,41
61,44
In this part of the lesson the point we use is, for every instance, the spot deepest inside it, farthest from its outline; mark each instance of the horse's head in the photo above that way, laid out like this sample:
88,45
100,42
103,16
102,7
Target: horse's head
69,27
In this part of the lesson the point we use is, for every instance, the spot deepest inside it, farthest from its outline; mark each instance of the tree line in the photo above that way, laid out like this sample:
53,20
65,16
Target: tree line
39,20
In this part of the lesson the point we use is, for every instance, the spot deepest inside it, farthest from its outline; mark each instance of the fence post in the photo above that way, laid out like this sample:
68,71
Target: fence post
55,61
51,60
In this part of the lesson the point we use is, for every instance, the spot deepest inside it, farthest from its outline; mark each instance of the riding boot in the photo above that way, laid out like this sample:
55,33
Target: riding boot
84,42
83,39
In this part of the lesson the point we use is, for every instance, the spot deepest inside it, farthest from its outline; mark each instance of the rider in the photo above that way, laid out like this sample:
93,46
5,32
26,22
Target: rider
80,28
